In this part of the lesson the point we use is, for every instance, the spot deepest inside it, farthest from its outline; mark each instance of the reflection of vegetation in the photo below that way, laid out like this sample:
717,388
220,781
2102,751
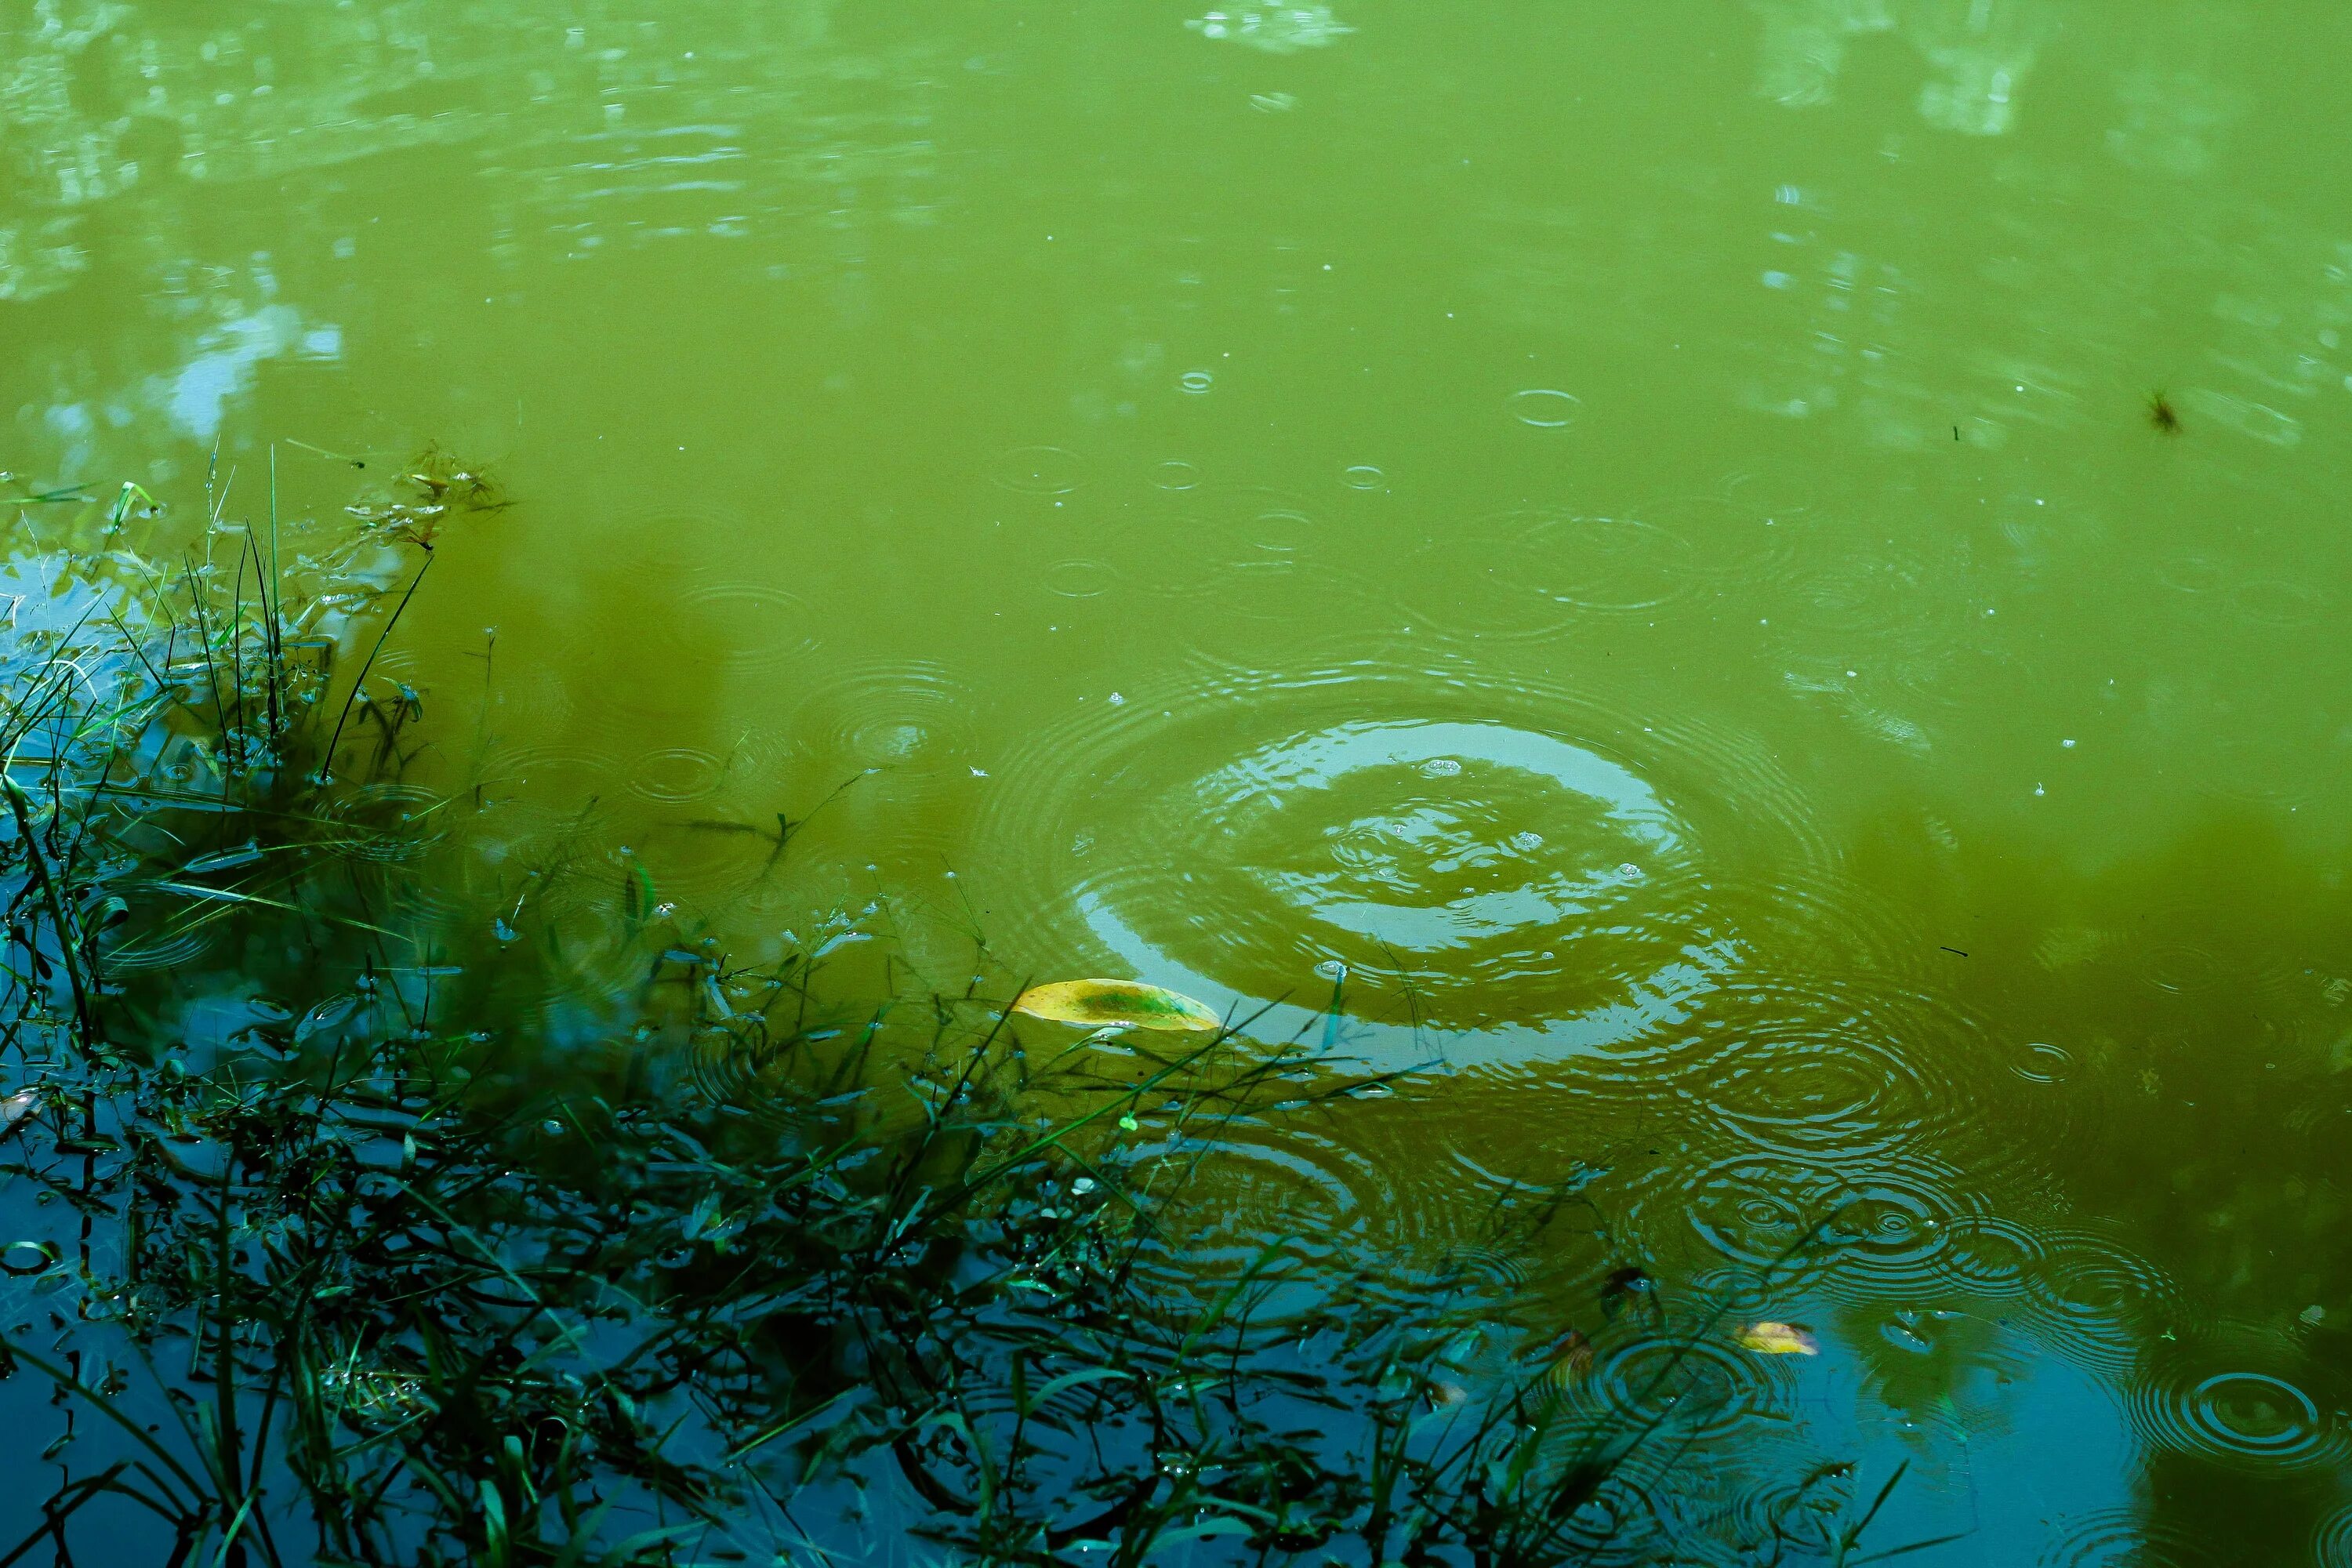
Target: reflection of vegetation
336,1242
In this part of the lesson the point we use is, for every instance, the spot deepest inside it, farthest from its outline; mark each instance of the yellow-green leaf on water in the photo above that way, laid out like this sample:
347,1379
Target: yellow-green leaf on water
1129,1003
1778,1339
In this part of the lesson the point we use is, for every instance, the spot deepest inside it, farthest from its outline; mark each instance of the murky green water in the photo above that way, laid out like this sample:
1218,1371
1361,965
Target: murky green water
1638,531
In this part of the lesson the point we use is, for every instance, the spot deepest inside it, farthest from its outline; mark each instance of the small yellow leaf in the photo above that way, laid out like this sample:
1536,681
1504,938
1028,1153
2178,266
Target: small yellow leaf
1129,1003
1778,1339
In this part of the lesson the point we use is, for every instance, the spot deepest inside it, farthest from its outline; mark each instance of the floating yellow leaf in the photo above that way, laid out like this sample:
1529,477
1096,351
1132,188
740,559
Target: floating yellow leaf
1778,1339
1101,1003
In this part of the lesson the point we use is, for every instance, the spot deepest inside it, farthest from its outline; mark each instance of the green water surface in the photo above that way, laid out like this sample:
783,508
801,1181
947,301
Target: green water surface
1634,534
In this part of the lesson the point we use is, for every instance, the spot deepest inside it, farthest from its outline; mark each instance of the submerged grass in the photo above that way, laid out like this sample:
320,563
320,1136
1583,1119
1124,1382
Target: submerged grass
334,1246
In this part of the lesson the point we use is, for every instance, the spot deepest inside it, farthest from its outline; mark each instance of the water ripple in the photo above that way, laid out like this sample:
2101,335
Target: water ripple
1528,868
1531,571
1873,1226
2123,1538
754,628
1700,1385
2103,1300
888,714
2249,1419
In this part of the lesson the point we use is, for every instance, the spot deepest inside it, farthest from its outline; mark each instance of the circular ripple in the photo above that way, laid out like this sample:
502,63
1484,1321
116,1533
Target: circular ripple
1256,1181
539,782
1876,1227
1741,530
676,774
1279,527
1476,850
1531,869
1812,1080
153,942
385,821
2331,1543
1258,553
1040,470
1176,474
1991,1256
2104,1301
1531,571
1084,578
2250,1419
750,626
888,715
1701,1387
2043,1064
2123,1538
1545,409
1792,1513
1363,476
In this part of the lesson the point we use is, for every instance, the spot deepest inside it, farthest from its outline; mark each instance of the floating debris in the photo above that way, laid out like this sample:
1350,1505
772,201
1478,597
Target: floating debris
1778,1339
1130,1003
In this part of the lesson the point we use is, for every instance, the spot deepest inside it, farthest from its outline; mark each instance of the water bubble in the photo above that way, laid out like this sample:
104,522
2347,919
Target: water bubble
1196,380
1363,477
1441,768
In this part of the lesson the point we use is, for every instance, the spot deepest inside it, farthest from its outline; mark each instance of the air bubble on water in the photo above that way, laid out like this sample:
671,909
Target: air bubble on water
1196,381
1332,969
1441,767
1527,840
1117,700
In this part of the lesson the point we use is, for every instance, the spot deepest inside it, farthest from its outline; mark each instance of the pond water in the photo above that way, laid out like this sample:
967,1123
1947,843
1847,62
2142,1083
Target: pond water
1636,542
